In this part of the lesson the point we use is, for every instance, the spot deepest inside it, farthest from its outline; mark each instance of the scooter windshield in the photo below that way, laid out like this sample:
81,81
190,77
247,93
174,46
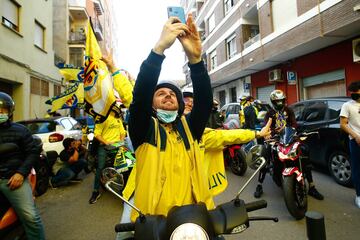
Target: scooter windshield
287,135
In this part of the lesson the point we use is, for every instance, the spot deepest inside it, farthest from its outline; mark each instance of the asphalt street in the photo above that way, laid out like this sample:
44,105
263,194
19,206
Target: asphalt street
67,215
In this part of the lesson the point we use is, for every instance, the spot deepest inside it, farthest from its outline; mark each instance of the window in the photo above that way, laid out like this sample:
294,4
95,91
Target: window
231,46
66,124
39,35
298,111
57,90
10,14
315,111
213,59
222,96
334,109
211,22
76,57
228,4
233,94
39,87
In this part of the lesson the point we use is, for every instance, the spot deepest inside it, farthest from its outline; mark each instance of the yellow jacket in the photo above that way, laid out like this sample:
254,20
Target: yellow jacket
158,176
214,142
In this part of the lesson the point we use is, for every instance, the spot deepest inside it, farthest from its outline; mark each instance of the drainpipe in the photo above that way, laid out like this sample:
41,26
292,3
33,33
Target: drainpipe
320,20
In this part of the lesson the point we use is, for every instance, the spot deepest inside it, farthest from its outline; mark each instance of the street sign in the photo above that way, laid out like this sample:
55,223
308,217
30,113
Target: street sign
291,77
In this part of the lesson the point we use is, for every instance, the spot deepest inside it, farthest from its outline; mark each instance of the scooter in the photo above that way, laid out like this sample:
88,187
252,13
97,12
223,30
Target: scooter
120,158
285,167
10,226
194,221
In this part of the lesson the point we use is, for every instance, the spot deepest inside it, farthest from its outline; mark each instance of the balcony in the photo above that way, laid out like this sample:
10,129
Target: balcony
77,9
251,41
77,37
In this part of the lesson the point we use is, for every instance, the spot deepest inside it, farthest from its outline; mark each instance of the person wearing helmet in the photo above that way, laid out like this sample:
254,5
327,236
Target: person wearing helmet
250,114
169,164
283,116
245,101
15,166
216,118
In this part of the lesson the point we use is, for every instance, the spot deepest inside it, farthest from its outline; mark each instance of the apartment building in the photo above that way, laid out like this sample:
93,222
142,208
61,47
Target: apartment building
70,26
27,70
308,49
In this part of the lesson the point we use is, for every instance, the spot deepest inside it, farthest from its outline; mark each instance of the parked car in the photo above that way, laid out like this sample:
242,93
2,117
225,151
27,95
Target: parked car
330,148
52,131
86,121
232,114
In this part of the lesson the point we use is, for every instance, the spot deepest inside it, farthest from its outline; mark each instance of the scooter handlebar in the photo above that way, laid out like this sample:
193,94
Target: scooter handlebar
252,206
125,227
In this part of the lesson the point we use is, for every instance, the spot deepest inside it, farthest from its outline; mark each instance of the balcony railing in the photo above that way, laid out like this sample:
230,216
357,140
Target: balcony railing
77,37
251,41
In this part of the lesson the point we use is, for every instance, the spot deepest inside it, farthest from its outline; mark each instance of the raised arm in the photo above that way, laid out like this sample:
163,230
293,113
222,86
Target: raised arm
200,113
141,107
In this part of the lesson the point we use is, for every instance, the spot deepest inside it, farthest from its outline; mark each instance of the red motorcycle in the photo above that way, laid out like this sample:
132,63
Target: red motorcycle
10,226
285,167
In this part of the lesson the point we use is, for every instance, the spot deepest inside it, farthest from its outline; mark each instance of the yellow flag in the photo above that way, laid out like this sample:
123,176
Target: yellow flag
99,91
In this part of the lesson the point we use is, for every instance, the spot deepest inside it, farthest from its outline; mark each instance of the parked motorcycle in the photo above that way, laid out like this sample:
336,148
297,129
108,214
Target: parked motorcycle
285,167
10,226
235,158
193,221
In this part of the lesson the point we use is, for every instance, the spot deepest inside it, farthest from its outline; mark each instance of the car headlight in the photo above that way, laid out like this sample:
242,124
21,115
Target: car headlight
189,231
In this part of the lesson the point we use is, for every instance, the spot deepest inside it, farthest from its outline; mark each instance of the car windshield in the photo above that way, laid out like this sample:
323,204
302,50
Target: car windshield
40,127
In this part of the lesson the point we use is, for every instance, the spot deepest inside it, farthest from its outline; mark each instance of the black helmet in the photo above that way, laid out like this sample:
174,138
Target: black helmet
7,102
277,98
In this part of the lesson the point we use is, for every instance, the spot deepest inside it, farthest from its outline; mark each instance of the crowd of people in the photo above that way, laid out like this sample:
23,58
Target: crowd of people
173,133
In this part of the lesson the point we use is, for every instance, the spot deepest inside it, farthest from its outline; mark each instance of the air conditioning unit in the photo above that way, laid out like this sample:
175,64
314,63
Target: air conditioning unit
356,49
275,76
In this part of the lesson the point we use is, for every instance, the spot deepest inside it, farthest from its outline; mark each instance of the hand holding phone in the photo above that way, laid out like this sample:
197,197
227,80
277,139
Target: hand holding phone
177,12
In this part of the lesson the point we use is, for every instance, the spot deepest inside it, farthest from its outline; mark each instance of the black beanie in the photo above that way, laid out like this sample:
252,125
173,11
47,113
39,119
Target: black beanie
177,92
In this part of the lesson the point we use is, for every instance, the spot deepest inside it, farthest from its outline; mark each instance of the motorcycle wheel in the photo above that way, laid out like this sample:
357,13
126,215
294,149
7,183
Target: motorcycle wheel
42,177
295,197
238,163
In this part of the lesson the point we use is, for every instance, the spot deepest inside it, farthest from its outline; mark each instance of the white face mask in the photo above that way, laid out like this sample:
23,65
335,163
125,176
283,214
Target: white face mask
166,116
4,117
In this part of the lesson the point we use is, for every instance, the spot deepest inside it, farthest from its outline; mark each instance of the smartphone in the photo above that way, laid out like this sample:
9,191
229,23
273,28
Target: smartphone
177,12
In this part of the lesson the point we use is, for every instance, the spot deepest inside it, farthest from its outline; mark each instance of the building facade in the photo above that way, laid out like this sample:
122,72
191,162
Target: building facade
70,26
27,69
306,48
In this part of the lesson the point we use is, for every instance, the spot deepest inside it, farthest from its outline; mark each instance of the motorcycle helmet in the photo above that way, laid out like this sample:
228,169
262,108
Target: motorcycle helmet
7,102
188,92
277,98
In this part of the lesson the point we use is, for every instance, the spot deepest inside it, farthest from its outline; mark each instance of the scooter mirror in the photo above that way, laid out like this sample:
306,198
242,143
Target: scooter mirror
90,136
252,158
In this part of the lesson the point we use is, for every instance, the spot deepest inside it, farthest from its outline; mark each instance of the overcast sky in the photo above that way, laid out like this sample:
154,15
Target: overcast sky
140,24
